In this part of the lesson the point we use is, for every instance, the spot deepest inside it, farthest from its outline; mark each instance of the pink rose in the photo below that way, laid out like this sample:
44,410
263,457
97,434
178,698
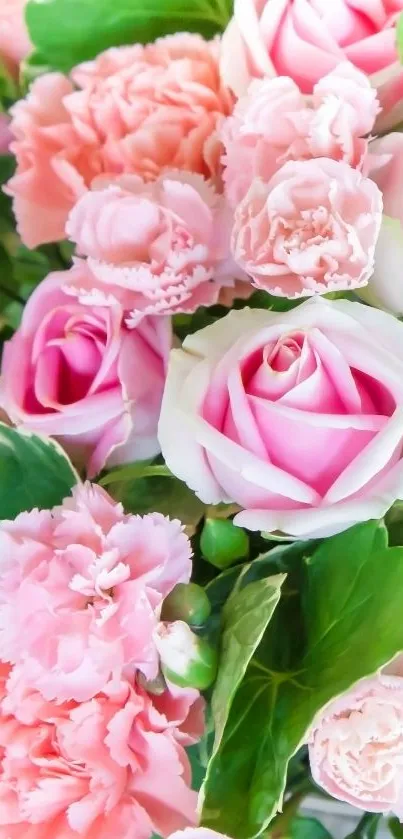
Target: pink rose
305,39
137,110
294,416
356,746
274,123
78,373
385,287
158,248
81,592
14,40
113,766
310,230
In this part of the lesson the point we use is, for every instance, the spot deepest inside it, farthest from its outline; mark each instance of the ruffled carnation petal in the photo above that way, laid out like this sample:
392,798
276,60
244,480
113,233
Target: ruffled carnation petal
81,596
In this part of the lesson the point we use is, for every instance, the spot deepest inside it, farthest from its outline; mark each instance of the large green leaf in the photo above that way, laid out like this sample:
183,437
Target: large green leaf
65,32
279,560
34,472
246,616
338,620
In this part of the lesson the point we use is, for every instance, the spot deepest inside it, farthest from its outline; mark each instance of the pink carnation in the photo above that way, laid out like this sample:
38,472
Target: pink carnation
137,110
310,230
158,248
77,373
356,746
112,766
274,123
81,591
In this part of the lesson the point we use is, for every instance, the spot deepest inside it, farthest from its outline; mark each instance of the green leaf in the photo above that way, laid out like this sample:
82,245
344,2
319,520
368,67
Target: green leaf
198,754
394,523
396,827
30,267
264,300
279,560
163,493
222,543
245,618
7,168
197,767
65,32
133,471
8,87
305,828
316,647
34,472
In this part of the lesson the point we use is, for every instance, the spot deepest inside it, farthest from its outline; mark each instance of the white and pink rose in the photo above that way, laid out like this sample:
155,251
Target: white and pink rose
296,417
306,39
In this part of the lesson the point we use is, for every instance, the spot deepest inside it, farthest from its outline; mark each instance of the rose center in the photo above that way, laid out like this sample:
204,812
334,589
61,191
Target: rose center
284,353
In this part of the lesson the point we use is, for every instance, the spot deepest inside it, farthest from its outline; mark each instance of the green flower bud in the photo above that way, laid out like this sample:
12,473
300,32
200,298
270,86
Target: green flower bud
186,659
222,543
187,602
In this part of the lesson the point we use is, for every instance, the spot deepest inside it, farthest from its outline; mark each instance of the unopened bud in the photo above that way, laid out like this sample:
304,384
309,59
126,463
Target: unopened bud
222,543
186,602
186,659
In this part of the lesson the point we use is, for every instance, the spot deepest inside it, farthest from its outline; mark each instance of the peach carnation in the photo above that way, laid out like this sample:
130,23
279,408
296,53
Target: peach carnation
81,591
310,230
157,248
275,122
137,110
112,766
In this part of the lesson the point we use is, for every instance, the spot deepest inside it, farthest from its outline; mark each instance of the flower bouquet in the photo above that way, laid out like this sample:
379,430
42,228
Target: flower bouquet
201,436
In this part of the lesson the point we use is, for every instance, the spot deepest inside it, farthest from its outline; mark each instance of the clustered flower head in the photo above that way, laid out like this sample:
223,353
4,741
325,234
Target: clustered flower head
81,591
